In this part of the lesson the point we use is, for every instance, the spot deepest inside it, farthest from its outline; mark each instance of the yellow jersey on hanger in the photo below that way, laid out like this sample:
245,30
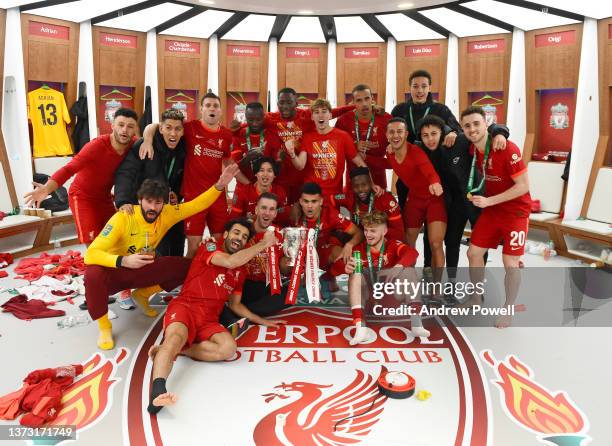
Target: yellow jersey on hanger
49,115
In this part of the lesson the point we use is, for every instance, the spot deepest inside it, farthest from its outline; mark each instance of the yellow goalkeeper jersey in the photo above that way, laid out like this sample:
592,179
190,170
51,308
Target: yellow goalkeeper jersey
126,234
49,115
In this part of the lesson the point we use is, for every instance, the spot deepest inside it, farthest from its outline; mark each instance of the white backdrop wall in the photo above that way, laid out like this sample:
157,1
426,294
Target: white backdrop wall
14,107
85,73
452,75
517,91
151,73
586,127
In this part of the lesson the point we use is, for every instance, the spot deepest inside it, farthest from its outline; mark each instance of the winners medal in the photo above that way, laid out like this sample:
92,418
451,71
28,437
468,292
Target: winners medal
470,185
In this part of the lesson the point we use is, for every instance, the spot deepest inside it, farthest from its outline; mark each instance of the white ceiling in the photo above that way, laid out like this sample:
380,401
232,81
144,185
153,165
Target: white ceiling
201,26
147,18
320,7
305,26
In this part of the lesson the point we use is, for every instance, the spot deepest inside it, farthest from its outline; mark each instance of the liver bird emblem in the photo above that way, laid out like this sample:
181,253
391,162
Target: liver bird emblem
311,418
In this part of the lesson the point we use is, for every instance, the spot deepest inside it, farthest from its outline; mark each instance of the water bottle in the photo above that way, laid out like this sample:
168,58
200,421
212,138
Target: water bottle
74,321
549,250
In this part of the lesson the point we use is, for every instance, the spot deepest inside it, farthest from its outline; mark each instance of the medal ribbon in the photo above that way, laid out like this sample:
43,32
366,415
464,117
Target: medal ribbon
356,217
414,130
248,139
374,273
470,185
370,127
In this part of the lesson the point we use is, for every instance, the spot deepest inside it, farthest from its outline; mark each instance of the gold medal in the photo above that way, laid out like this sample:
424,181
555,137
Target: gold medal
469,195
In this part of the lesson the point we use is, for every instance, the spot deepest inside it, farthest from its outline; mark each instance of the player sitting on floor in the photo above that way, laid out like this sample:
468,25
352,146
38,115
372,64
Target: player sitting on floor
383,260
191,323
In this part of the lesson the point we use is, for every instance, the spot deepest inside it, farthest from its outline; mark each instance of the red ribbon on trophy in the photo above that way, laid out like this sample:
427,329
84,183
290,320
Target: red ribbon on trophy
306,260
273,270
296,275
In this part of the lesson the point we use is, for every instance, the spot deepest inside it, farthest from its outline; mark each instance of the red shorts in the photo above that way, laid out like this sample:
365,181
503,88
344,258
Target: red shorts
418,211
90,216
202,321
491,228
215,217
325,250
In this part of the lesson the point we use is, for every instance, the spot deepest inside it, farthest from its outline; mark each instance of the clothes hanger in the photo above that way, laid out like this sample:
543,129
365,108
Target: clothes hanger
488,97
117,92
180,97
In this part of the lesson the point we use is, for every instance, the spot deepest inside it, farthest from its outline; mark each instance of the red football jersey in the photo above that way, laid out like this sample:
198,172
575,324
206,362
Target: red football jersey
326,159
245,200
416,171
386,203
331,219
258,266
395,253
206,150
207,281
271,146
294,128
375,157
94,167
502,167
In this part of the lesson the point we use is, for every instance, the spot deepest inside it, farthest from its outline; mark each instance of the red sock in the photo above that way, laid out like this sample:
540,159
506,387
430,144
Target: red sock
357,313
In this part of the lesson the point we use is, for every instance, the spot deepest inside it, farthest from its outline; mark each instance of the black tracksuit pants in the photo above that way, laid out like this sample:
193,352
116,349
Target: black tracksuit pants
256,297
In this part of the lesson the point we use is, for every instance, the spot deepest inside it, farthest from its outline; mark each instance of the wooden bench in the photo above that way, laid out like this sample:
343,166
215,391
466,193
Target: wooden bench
595,229
22,235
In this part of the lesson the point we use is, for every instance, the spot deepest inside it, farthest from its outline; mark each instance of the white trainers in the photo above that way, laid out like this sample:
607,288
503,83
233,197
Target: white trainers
420,332
362,334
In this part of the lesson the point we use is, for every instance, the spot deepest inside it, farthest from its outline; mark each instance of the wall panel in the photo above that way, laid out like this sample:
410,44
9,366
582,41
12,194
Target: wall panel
119,68
484,74
243,76
182,66
303,67
361,63
430,55
552,63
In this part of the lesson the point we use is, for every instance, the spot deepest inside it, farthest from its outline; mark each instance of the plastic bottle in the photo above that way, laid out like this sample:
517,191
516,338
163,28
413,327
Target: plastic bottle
549,250
74,321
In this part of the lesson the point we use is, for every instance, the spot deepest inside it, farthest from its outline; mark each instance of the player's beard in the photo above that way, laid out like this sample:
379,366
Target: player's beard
150,215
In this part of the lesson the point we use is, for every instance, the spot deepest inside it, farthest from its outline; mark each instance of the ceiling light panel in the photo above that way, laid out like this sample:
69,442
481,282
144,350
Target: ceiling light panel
146,19
303,29
523,18
459,24
404,28
354,29
254,27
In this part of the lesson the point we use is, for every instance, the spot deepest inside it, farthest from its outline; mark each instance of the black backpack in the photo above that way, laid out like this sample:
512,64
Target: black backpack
58,201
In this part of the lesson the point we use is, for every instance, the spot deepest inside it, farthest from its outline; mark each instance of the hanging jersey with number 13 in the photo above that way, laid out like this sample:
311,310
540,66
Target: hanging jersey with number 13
49,115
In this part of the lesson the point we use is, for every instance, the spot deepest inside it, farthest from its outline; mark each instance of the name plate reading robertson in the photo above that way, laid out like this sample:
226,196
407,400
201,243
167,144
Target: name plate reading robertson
487,46
243,50
358,53
422,50
181,46
120,40
48,30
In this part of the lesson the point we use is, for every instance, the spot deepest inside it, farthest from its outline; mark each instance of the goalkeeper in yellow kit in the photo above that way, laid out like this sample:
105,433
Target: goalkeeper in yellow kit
122,255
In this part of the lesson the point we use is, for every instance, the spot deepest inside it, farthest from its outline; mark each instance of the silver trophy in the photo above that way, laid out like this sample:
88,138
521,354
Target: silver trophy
293,238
